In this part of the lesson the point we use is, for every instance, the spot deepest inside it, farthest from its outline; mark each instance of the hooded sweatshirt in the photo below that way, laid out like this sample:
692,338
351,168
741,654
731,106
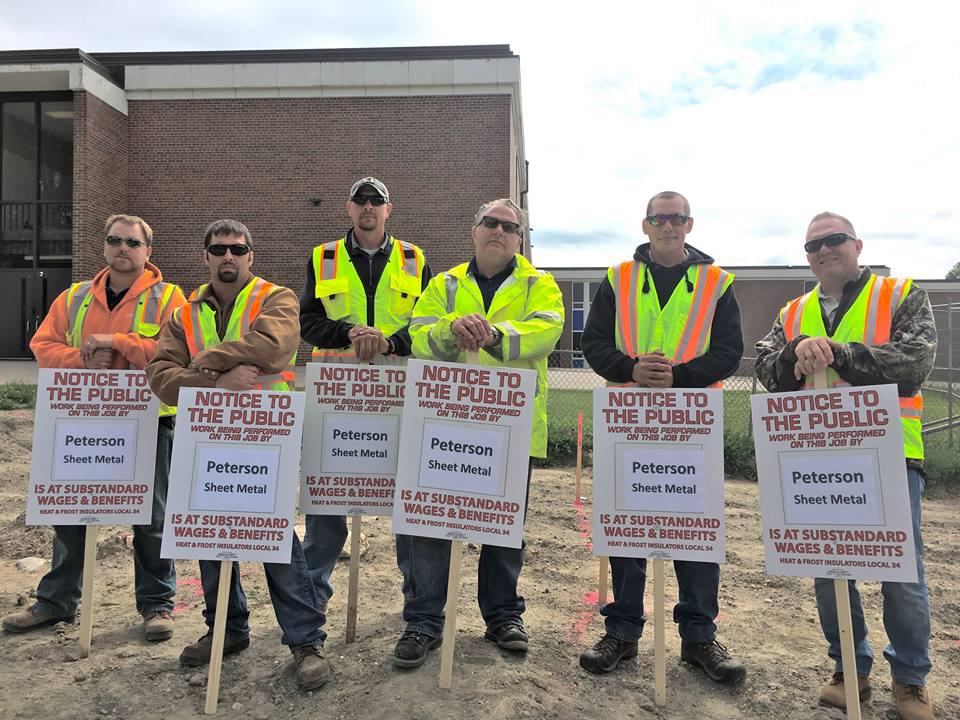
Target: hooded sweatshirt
49,344
726,338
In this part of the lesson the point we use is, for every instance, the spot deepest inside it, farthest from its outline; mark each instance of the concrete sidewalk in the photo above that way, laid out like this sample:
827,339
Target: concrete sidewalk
24,371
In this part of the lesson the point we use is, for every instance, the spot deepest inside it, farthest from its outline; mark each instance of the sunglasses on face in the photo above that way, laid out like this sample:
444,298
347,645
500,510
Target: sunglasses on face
117,240
510,228
375,200
675,219
237,250
812,246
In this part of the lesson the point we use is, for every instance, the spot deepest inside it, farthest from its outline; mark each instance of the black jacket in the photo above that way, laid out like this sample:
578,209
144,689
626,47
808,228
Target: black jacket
726,338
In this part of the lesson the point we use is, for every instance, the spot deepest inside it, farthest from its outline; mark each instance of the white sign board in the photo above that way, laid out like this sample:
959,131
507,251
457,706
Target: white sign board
464,452
833,484
234,475
351,444
94,448
658,473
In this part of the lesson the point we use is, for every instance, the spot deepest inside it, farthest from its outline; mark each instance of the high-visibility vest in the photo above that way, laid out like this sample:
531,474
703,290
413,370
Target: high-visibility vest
146,318
867,321
528,296
340,289
200,324
681,328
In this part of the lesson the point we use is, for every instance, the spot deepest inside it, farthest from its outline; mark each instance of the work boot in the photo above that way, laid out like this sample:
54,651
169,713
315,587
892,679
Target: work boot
32,618
412,648
834,692
607,654
313,670
716,662
913,702
199,652
158,625
509,636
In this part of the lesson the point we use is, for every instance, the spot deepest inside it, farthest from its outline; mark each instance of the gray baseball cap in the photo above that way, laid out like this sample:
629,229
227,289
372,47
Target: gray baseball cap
374,183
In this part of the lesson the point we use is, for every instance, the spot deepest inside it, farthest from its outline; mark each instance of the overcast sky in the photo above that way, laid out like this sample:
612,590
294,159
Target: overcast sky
762,113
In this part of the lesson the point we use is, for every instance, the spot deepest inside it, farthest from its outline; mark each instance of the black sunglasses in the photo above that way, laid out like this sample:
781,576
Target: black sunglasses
510,228
675,219
237,250
375,200
812,246
116,240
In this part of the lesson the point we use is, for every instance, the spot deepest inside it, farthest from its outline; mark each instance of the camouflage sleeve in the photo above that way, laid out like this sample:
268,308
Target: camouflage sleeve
775,360
906,360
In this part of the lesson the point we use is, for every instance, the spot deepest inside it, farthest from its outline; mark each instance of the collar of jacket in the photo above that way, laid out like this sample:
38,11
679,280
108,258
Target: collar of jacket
694,256
353,249
149,277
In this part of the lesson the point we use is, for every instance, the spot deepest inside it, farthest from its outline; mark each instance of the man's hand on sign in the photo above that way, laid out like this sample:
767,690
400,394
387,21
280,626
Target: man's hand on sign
813,354
100,359
92,343
472,331
242,377
653,370
368,342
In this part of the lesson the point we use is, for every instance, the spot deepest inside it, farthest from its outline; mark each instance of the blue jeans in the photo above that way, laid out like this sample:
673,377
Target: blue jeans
322,545
292,593
694,613
425,564
906,613
154,579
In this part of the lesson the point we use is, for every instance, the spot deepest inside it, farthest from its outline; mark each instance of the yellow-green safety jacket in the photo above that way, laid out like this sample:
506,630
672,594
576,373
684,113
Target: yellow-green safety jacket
146,318
868,321
200,324
527,309
340,289
681,329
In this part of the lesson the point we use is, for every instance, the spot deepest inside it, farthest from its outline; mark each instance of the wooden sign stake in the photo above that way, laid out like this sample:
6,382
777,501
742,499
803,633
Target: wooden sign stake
219,631
353,590
450,623
602,584
86,599
579,454
659,637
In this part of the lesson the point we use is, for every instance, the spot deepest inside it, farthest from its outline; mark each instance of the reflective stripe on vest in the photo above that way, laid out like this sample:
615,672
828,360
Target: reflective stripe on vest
340,289
638,312
867,321
146,318
200,324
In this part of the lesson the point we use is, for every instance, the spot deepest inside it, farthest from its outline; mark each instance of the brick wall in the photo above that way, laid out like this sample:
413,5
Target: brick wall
100,143
262,161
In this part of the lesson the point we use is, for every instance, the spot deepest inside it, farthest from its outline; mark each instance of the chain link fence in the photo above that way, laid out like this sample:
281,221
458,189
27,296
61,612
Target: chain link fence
571,393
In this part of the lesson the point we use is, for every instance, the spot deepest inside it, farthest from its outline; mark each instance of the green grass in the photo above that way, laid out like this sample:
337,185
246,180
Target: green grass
17,396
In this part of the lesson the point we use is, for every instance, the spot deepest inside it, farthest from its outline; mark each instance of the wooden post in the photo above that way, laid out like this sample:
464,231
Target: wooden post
354,579
848,657
659,637
86,599
450,623
219,630
576,497
602,584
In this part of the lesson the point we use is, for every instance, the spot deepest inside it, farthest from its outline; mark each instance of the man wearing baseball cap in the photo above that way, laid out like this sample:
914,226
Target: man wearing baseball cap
356,308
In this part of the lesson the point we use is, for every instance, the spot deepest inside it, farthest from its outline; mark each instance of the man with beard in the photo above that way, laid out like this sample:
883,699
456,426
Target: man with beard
234,333
666,318
355,308
111,322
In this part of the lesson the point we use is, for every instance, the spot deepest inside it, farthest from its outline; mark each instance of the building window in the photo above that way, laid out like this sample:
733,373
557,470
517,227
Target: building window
583,293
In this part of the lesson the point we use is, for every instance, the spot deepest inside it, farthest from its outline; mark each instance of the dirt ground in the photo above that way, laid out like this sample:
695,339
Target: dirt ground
769,622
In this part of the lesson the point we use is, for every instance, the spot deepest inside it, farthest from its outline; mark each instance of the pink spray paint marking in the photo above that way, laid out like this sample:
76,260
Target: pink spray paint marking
591,599
197,592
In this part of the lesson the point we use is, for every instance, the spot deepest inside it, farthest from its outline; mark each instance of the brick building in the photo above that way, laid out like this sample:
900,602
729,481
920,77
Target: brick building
272,138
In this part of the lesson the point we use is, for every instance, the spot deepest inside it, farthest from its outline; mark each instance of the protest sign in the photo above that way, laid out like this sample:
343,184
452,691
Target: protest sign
833,486
464,452
94,448
349,461
658,473
233,475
